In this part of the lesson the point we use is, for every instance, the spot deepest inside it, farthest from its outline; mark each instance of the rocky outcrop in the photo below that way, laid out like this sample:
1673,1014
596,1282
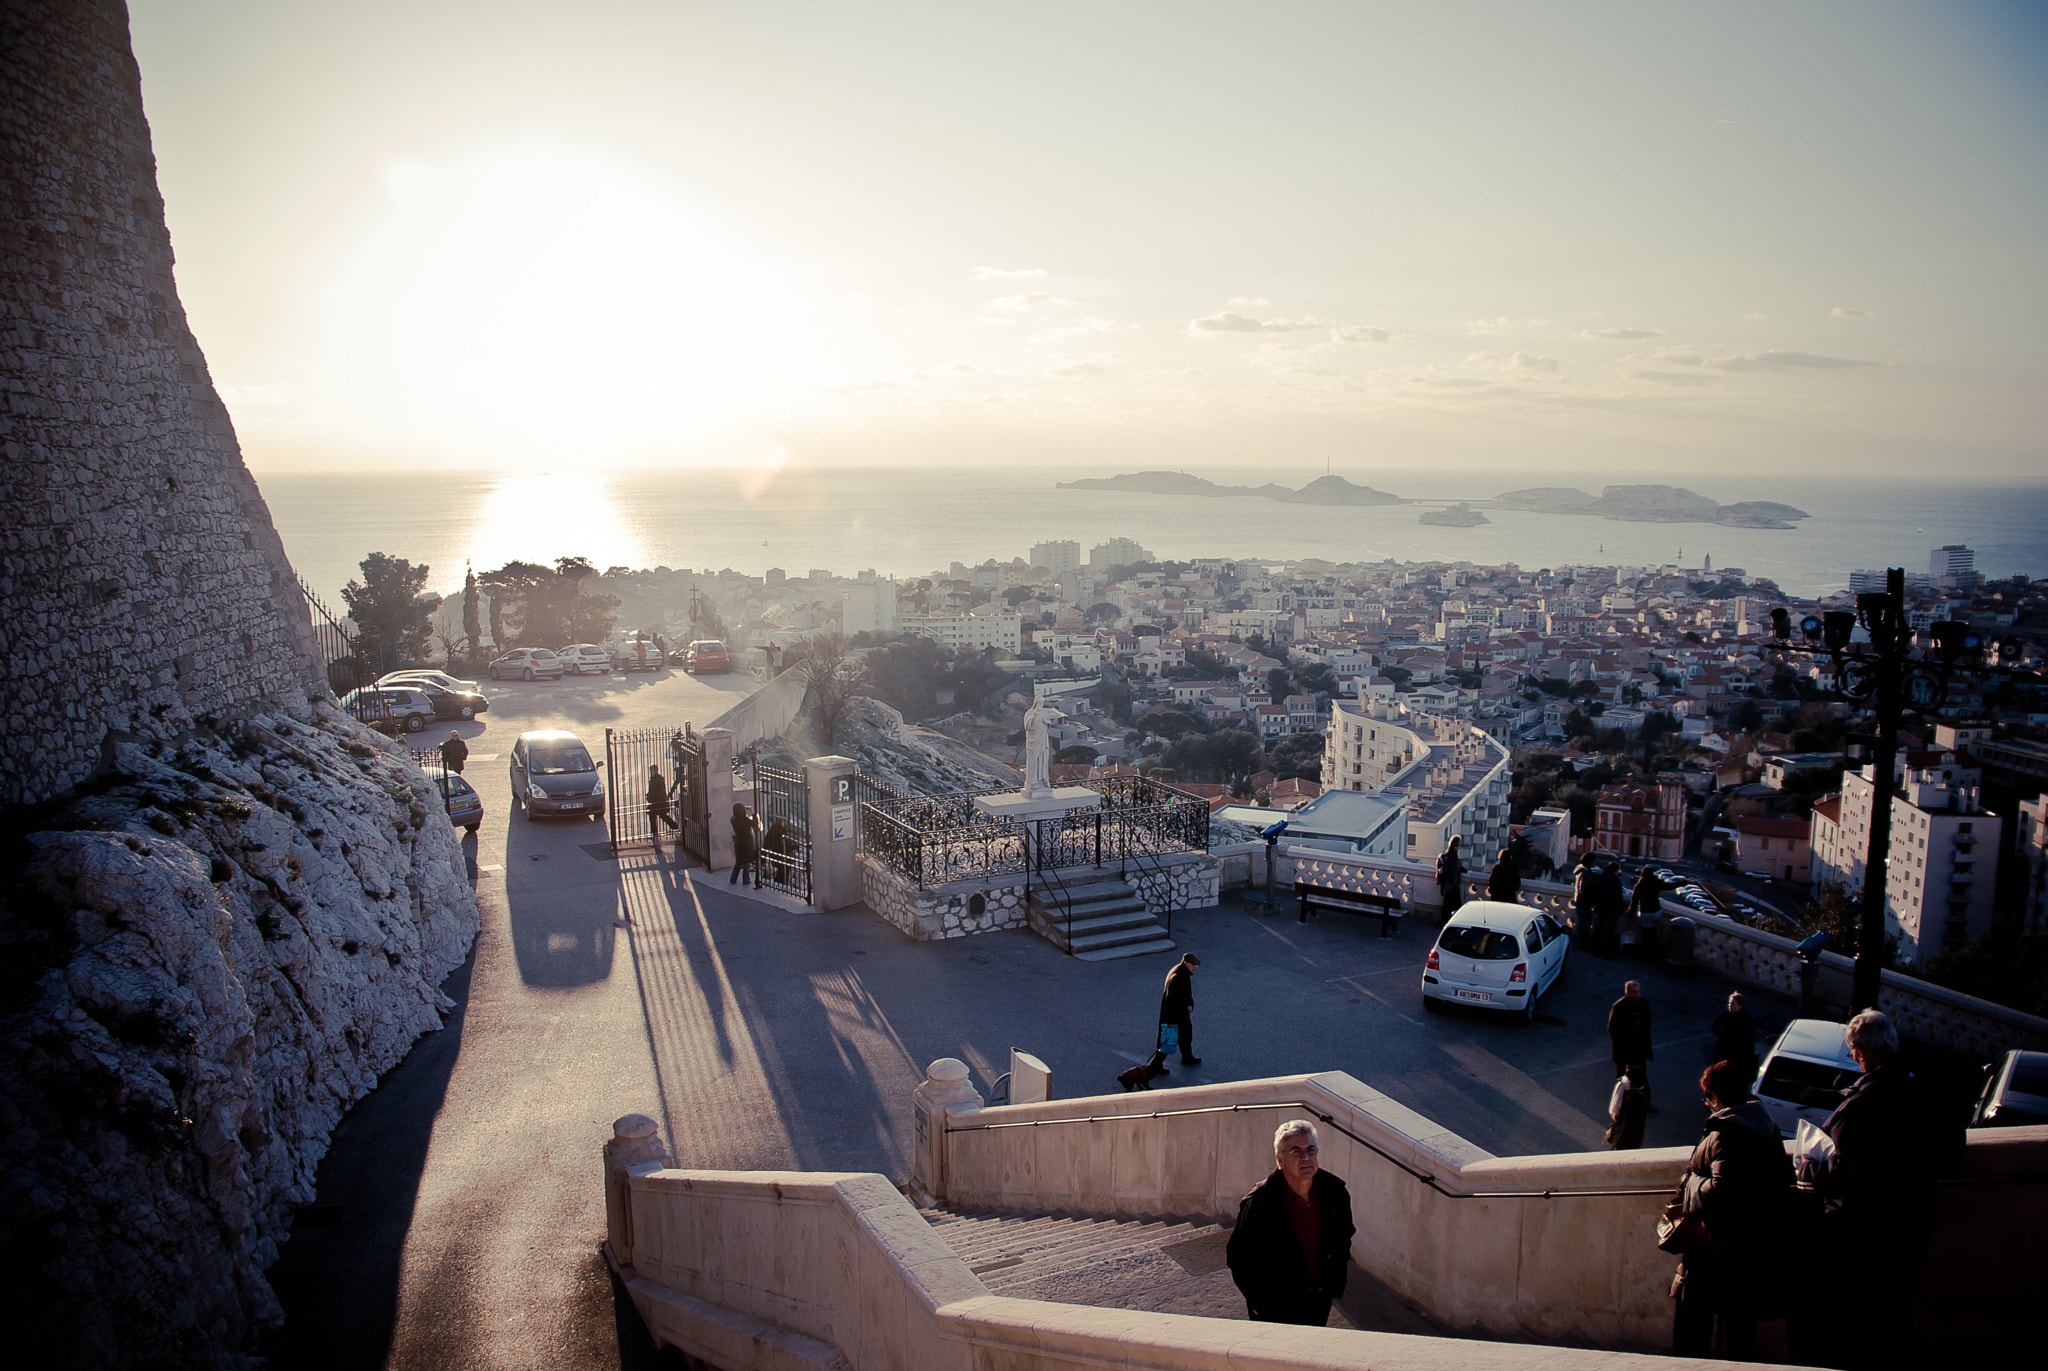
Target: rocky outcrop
1653,505
1324,490
1457,516
209,955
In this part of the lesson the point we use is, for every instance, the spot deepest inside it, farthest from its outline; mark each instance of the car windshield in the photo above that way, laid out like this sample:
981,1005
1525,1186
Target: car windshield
2030,1076
557,759
1810,1085
1480,944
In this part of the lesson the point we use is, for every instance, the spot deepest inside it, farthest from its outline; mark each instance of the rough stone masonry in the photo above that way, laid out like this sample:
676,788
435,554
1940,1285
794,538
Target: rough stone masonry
225,907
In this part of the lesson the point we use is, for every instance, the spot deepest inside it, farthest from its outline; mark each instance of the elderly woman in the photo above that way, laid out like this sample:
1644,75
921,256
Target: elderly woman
1293,1235
1734,1206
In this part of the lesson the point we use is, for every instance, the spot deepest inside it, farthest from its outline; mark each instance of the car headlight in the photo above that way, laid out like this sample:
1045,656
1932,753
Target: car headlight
597,790
534,792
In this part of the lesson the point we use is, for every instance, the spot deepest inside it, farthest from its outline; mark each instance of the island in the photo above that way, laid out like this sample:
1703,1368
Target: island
1324,490
1651,505
1460,515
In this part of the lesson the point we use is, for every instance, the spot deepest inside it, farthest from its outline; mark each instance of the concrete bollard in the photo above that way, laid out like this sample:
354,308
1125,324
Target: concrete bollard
634,1150
717,745
944,1092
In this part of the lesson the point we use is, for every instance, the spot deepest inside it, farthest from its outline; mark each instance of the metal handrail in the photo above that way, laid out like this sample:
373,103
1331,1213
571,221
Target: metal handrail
1367,1143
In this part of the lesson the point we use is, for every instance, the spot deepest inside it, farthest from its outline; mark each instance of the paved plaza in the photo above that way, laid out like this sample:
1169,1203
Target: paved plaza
460,1206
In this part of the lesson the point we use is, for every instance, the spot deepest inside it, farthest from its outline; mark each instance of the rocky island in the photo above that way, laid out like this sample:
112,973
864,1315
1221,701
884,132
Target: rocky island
1324,490
1460,515
1651,505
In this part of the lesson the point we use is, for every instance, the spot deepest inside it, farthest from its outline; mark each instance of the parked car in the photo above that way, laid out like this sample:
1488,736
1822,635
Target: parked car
2015,1092
527,663
439,678
448,704
580,659
465,806
553,773
637,654
1496,956
391,710
1804,1074
706,655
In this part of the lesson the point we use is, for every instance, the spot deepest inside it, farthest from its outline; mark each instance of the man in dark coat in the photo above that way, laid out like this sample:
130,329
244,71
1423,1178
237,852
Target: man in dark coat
1628,1031
1450,878
746,847
657,807
1177,1003
454,752
1735,1033
1293,1236
1610,902
1504,882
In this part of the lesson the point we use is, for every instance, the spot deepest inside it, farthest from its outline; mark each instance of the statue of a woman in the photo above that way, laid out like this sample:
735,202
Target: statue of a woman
1037,750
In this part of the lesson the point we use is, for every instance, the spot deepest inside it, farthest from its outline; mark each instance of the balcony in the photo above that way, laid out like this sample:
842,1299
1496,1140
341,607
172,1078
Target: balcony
1961,877
1965,841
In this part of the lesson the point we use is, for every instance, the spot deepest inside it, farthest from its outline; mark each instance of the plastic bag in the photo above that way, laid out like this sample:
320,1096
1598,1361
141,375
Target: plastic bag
1813,1153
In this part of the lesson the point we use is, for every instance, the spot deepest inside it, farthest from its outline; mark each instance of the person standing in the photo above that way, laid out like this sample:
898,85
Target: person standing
1504,882
1610,902
657,807
1735,1206
746,846
1646,905
1735,1033
1177,1004
776,843
1288,1253
1629,1109
454,753
1450,878
1586,904
1628,1033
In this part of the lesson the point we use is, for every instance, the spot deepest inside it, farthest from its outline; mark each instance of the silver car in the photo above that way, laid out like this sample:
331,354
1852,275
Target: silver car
554,774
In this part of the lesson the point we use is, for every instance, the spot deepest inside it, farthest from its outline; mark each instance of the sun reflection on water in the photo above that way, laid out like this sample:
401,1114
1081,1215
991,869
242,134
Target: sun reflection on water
545,516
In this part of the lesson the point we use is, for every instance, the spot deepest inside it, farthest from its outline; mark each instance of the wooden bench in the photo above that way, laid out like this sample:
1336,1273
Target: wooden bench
1385,908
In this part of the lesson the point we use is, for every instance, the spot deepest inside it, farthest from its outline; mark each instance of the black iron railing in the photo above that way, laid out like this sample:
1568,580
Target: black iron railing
350,674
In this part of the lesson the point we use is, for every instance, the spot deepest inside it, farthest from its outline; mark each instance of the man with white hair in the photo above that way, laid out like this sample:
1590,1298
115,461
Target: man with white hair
1293,1236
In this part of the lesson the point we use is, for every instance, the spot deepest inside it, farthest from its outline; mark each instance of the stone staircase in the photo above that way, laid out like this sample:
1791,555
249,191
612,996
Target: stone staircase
1110,919
1109,1261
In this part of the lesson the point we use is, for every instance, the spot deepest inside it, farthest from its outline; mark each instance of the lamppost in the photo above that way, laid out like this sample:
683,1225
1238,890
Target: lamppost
1885,673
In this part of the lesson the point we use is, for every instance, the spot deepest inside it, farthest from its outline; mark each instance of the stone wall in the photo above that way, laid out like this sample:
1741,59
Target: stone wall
958,909
142,585
1189,881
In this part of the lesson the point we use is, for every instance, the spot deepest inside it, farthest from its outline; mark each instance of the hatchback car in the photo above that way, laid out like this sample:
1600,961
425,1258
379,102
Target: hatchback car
2015,1092
527,663
448,704
465,806
707,655
637,654
1496,956
553,773
581,659
439,678
1805,1073
394,708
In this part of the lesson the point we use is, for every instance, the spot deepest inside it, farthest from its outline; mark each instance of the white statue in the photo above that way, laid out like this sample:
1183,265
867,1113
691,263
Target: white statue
1037,750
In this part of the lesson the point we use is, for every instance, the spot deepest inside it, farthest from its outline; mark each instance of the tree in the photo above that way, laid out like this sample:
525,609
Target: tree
1838,911
1080,754
472,621
1278,682
1017,595
1745,716
907,674
1103,613
393,609
835,681
548,607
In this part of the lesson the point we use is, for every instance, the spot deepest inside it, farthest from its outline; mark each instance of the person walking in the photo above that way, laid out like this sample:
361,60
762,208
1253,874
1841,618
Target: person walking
1504,882
746,846
657,807
1628,1108
776,843
1586,904
1177,1004
1628,1034
1289,1252
454,752
1733,1207
1735,1033
1450,878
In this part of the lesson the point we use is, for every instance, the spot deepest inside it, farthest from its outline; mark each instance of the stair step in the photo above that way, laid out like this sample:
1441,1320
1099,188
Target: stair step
1104,923
1110,954
1013,1251
1089,890
1120,933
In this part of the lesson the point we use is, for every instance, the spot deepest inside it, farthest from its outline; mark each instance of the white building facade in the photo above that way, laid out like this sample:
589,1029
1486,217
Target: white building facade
1454,775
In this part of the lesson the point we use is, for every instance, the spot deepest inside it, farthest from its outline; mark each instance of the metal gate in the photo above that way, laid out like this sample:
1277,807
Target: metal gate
628,755
782,799
691,801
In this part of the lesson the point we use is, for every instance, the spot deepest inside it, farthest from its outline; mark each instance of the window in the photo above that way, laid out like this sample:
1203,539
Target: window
1479,944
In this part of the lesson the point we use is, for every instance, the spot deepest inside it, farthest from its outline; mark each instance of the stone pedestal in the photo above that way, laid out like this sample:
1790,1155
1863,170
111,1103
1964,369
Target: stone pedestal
634,1150
1055,803
835,875
945,1090
717,745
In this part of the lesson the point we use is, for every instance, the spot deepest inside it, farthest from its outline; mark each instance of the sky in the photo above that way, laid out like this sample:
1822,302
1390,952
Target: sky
1637,238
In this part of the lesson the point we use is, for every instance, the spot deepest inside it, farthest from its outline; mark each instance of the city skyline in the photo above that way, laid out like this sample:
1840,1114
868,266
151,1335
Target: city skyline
1185,236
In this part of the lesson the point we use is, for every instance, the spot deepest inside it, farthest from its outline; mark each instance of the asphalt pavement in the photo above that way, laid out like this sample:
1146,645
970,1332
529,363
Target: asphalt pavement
460,1206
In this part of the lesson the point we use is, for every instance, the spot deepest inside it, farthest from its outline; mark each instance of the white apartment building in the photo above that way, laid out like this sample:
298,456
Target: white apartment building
1062,559
966,632
868,607
1116,552
1943,862
2033,847
1454,775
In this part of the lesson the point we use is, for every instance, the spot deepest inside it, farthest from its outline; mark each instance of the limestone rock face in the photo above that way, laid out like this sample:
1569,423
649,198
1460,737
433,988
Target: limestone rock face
207,959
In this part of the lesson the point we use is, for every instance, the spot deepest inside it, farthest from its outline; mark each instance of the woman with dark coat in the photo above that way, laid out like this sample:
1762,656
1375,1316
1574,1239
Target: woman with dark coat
1289,1250
1629,1108
746,848
1736,1207
1504,882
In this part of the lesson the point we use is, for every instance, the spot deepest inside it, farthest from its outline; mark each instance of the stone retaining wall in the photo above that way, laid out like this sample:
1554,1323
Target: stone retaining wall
959,909
1192,880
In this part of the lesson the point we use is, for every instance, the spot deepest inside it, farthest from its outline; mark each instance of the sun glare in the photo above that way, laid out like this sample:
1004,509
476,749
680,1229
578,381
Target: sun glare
550,303
540,517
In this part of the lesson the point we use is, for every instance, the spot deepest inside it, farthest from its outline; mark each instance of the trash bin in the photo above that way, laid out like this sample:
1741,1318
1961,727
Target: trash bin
1679,935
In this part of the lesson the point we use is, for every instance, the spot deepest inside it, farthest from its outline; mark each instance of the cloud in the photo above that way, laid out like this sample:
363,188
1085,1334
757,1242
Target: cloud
1684,357
1361,333
1009,273
1673,378
1480,328
1092,365
960,366
1029,300
1247,301
1227,322
1774,360
1849,312
1622,335
1530,362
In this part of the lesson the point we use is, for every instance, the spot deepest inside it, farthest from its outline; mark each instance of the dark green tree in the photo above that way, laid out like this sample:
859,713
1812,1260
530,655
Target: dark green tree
472,621
394,610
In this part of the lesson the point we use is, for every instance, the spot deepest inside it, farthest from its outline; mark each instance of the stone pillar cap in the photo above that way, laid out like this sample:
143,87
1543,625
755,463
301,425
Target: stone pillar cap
946,1071
634,1126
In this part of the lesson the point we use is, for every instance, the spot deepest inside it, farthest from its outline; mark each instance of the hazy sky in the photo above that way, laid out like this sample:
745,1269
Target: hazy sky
1637,237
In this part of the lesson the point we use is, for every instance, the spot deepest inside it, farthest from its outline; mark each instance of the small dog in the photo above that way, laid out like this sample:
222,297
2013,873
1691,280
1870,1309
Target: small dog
1141,1077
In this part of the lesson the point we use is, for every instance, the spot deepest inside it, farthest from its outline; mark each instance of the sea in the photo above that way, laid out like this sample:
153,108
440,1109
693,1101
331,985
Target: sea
908,523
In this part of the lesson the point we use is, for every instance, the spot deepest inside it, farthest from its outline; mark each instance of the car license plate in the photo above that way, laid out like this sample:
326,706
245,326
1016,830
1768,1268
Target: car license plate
1479,995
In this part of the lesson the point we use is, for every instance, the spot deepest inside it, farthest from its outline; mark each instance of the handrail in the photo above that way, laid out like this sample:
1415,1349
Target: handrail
1367,1143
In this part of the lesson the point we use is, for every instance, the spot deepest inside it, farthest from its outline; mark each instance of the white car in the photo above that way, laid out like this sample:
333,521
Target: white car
1496,956
439,678
1805,1074
581,658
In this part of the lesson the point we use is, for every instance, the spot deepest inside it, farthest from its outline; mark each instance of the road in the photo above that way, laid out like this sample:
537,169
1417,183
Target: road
460,1207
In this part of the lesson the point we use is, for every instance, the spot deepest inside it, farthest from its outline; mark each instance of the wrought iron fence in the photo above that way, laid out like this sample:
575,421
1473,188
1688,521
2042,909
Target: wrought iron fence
783,801
636,760
349,672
